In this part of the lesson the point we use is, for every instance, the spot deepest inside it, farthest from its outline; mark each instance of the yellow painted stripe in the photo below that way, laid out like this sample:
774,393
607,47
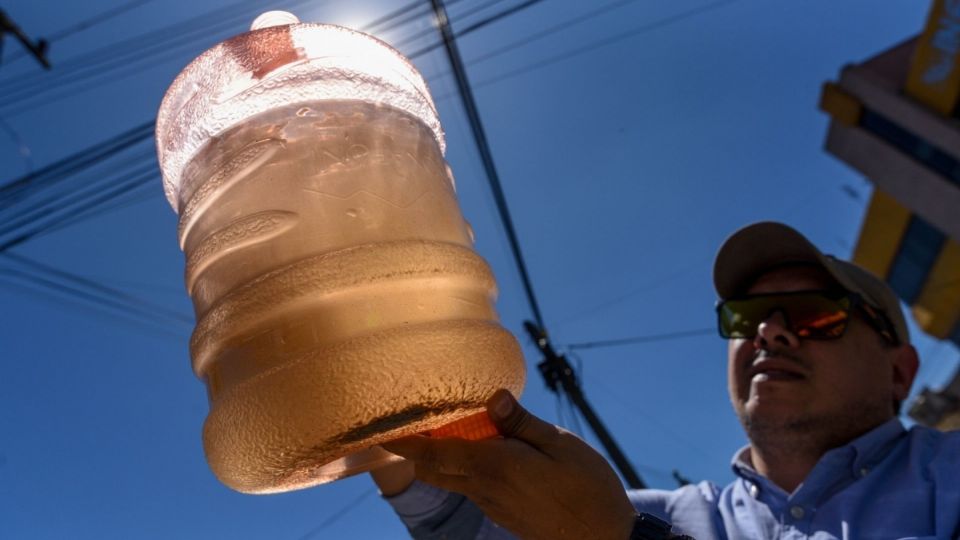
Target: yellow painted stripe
937,309
883,229
934,77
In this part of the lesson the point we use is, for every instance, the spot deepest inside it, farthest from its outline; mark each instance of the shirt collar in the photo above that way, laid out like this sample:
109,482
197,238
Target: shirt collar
864,452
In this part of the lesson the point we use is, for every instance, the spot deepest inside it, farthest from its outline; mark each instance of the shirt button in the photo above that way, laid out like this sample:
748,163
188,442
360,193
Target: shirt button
864,471
754,490
797,512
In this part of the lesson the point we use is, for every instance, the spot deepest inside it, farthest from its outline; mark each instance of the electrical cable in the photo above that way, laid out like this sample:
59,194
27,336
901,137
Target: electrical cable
476,26
431,30
22,147
463,85
642,339
642,29
636,411
561,421
336,515
54,292
373,26
62,169
124,200
107,196
88,300
648,286
123,299
578,375
575,419
37,209
85,24
575,20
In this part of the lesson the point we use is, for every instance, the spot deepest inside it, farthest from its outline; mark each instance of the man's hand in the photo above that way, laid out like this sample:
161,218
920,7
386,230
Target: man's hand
539,481
393,478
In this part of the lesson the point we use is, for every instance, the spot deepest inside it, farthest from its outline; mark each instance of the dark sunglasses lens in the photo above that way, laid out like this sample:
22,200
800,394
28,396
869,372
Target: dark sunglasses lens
740,318
819,317
810,315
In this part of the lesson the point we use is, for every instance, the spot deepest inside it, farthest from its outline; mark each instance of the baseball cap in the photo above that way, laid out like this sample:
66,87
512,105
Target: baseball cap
760,247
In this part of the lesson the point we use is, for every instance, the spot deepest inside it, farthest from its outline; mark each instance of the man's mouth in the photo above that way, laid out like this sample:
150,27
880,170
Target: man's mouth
775,369
775,375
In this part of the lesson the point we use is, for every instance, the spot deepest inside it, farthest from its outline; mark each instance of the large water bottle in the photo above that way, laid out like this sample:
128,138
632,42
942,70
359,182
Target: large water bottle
339,301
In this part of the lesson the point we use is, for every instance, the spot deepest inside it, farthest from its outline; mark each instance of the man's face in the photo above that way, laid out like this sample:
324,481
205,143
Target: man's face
778,381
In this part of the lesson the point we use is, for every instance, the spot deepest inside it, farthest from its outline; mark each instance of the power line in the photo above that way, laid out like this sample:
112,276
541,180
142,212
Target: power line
74,163
22,147
107,295
575,20
85,24
473,28
641,339
97,19
339,513
74,196
430,31
40,277
648,286
80,211
123,200
486,156
642,29
55,293
636,411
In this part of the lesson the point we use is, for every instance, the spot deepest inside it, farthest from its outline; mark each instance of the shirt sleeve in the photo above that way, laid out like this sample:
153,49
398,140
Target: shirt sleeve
690,510
431,513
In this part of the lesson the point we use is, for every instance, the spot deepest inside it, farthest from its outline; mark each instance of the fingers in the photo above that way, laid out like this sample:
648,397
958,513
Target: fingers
514,421
393,478
472,468
442,456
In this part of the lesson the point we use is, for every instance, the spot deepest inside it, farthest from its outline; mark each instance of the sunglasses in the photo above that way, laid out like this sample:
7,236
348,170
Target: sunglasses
807,314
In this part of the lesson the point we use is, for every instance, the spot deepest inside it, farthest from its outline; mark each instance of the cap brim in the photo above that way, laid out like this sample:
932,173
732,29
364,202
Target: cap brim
760,247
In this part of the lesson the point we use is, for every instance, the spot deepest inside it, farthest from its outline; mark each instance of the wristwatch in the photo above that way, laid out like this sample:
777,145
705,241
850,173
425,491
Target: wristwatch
649,527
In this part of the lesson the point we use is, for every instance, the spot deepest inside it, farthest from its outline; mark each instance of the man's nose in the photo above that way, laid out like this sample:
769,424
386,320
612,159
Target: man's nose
774,332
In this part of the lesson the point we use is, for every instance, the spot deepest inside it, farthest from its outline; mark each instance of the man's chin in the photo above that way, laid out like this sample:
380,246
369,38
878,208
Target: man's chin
771,414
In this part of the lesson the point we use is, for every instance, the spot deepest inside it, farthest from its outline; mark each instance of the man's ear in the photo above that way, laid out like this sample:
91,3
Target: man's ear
905,365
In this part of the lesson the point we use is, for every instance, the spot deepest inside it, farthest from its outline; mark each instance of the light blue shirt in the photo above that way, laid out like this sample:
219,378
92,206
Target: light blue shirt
887,484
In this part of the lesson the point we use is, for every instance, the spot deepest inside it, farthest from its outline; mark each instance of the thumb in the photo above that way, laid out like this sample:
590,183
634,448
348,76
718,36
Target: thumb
514,421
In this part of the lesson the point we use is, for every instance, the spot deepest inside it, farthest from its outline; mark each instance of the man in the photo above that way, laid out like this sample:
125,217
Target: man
819,361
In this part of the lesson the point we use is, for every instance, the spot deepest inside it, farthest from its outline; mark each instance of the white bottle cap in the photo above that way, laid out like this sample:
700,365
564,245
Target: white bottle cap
273,18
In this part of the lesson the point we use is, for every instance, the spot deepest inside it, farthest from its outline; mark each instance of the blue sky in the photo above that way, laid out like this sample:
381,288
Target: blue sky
629,145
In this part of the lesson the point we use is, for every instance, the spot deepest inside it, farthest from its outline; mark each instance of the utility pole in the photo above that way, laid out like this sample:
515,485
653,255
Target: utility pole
559,375
38,49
